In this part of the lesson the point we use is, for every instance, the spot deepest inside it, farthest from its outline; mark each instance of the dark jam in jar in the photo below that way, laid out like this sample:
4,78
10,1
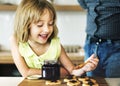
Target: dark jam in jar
51,70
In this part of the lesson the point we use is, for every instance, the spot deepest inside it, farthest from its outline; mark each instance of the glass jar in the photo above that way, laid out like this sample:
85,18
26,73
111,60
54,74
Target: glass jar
51,70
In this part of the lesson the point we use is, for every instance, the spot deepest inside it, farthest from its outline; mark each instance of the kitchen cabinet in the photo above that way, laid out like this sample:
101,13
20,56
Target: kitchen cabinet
7,65
6,57
57,7
9,70
8,7
68,8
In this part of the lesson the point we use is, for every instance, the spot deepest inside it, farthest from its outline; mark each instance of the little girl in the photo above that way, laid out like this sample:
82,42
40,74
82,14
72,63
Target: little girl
35,40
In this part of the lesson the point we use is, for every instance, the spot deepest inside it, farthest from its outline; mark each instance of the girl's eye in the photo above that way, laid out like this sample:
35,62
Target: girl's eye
39,25
51,23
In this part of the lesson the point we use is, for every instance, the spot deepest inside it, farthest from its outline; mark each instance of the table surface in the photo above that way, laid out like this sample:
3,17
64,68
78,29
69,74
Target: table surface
15,81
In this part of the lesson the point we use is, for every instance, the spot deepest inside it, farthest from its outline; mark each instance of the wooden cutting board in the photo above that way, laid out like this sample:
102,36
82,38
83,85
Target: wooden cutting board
41,82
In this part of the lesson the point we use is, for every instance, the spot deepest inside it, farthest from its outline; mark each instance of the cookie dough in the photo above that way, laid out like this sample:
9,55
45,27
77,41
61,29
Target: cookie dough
88,81
73,83
53,82
68,78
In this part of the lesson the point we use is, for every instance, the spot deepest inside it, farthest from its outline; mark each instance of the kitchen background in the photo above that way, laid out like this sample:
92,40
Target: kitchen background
71,24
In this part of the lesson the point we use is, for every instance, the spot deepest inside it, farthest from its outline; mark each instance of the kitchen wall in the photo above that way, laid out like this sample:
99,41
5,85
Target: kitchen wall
6,28
71,25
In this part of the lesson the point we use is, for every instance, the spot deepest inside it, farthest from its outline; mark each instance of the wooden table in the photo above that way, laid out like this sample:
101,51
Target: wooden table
41,82
18,81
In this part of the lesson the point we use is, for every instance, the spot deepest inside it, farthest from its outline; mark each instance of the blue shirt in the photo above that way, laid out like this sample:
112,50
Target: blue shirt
103,18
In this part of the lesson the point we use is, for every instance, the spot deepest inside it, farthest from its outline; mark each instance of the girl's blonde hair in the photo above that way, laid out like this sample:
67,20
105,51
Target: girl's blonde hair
30,11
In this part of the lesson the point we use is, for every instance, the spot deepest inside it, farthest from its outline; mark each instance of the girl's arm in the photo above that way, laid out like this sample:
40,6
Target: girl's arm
19,60
90,64
66,62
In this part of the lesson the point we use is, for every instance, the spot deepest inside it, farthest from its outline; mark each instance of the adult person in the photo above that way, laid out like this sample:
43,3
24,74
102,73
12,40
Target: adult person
103,35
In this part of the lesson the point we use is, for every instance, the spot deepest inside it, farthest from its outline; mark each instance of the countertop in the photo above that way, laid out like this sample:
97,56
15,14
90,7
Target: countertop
10,81
15,81
6,57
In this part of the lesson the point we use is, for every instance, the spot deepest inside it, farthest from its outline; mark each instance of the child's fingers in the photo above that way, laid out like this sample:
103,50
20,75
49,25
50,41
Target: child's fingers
90,63
94,61
91,57
81,65
89,66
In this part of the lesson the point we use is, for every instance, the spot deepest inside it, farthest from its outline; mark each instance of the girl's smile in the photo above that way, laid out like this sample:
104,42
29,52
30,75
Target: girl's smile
43,36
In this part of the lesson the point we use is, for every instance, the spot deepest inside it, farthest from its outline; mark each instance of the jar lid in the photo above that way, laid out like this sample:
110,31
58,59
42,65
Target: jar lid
50,61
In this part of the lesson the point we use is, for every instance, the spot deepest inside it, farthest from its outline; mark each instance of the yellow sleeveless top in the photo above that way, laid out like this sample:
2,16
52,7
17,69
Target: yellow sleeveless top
34,61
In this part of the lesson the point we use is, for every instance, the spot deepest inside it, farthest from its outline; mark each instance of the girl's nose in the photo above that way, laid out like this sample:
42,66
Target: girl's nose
46,28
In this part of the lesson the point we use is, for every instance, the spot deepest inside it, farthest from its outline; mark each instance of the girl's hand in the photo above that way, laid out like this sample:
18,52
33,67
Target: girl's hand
91,63
77,72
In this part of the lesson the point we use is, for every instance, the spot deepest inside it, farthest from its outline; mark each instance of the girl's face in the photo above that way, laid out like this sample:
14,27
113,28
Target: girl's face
42,30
